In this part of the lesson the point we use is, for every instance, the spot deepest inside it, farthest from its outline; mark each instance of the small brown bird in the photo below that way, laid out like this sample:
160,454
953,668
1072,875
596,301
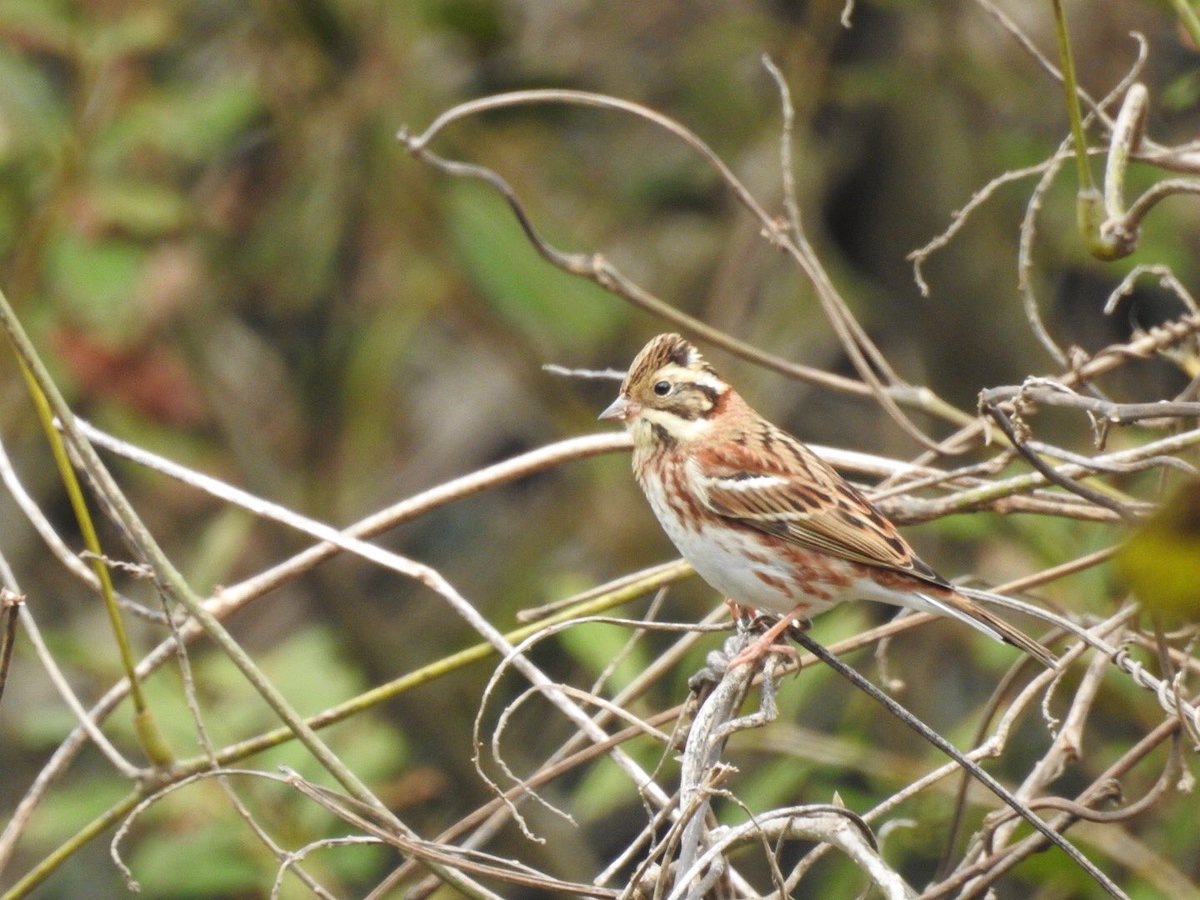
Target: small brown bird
758,515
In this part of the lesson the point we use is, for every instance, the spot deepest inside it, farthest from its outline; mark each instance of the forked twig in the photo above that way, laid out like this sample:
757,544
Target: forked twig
868,361
954,753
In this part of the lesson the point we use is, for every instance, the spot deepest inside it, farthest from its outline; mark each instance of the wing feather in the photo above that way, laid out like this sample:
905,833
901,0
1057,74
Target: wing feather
804,502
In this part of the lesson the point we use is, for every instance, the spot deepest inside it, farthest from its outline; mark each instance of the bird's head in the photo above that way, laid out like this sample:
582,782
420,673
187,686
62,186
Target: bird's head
670,393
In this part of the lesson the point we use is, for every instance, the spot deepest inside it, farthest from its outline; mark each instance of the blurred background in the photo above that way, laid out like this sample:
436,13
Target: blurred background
209,229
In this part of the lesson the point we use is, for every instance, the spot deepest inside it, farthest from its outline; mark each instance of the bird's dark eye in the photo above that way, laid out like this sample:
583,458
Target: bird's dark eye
662,388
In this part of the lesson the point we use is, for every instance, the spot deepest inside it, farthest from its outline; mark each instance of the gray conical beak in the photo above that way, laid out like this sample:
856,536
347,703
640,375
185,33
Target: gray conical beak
618,410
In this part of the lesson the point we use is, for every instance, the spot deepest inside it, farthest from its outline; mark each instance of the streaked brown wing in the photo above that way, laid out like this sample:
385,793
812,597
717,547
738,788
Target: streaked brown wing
780,487
809,505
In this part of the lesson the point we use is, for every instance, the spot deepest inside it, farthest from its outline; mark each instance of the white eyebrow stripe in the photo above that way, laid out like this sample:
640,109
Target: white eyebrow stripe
684,375
703,379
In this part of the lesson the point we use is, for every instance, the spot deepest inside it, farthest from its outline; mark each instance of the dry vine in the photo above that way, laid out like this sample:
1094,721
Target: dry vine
680,847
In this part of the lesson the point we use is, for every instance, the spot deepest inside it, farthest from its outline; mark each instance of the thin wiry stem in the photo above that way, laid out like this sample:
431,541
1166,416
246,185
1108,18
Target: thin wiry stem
961,489
111,753
1046,831
173,585
870,364
229,600
9,603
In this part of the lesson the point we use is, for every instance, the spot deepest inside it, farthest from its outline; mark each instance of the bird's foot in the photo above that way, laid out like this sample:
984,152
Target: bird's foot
769,641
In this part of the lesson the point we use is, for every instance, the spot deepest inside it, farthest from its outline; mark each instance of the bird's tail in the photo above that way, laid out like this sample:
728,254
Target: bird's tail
966,605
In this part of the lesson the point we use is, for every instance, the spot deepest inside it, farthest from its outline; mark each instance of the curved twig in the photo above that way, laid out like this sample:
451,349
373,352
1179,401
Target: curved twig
1106,883
867,359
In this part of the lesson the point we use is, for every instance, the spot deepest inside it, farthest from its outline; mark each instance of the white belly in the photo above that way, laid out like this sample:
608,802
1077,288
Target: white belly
736,563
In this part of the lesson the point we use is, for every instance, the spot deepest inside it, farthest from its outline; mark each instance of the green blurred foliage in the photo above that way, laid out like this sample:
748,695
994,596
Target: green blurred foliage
1161,560
176,841
553,311
211,232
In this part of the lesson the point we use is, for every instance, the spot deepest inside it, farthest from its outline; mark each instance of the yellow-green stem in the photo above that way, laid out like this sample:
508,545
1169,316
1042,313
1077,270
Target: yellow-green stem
373,697
150,736
177,591
93,829
1070,89
1188,18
